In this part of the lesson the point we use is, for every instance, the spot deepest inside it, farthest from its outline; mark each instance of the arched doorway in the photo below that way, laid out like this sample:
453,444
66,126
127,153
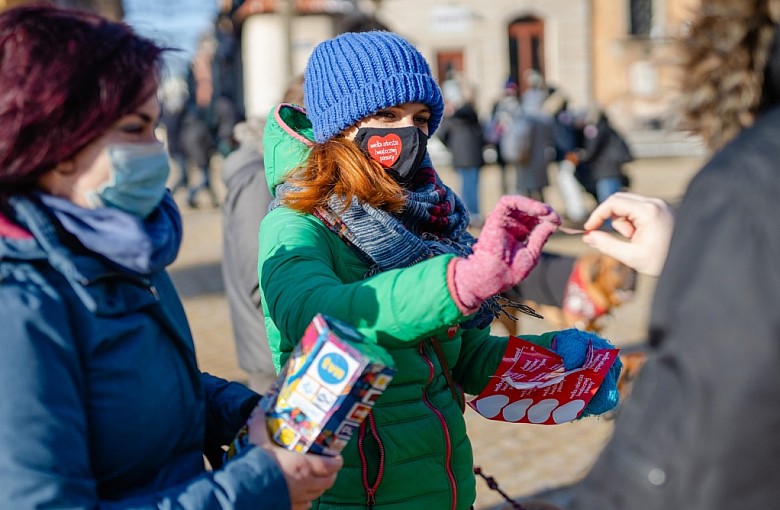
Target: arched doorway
526,47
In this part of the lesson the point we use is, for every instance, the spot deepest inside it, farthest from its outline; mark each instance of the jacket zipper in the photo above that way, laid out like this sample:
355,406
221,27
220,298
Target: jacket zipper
443,422
371,489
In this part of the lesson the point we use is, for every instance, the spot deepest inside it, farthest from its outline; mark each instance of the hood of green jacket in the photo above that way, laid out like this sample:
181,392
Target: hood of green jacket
287,141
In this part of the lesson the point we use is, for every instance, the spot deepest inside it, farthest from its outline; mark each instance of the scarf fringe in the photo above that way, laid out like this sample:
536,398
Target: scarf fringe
506,303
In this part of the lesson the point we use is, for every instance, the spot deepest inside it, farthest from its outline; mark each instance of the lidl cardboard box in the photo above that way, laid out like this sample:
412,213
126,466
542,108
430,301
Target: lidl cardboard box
327,388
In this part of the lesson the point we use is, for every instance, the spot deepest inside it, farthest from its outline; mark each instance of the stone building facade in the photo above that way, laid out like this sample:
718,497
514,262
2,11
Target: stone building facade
616,54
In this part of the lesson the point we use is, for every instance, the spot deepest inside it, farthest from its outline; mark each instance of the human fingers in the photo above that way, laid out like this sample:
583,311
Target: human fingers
624,251
624,227
325,466
618,205
647,223
308,475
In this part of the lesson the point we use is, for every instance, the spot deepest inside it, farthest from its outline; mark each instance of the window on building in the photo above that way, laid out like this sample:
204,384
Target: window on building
641,22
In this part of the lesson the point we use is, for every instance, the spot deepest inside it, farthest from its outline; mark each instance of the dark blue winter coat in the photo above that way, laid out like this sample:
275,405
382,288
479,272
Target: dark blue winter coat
103,404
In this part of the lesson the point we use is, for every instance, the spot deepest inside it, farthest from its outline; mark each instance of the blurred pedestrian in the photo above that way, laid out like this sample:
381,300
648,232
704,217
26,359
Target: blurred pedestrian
605,152
174,95
566,154
462,134
535,92
363,229
700,429
197,138
227,76
246,203
526,145
198,146
526,142
104,404
504,111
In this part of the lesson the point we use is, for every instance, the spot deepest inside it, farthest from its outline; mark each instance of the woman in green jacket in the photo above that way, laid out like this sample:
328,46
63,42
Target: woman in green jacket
362,229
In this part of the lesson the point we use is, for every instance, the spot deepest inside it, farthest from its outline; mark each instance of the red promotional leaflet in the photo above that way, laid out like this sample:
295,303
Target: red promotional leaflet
532,386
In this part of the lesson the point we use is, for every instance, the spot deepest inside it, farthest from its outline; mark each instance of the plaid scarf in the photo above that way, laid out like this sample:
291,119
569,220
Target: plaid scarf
433,222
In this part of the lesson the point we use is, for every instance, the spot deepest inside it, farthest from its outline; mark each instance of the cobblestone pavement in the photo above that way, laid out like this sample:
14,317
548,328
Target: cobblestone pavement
523,459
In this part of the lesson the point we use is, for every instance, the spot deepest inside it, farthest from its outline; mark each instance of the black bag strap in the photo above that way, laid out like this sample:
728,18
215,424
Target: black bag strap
445,367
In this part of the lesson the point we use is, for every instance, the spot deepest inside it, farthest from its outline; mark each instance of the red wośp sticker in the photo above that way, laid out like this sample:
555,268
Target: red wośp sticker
385,149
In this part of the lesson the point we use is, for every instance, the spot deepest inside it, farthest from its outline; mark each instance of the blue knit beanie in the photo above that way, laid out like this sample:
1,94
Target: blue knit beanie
355,75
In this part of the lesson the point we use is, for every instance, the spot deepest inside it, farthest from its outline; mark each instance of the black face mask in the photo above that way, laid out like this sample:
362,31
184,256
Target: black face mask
399,150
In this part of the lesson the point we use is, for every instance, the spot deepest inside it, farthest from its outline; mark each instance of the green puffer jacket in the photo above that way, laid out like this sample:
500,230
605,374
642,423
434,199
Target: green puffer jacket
415,449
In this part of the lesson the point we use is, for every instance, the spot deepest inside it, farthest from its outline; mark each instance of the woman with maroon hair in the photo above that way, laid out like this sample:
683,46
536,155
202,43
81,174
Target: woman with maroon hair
103,401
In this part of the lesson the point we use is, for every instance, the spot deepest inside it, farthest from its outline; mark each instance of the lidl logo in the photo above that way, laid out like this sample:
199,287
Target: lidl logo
333,368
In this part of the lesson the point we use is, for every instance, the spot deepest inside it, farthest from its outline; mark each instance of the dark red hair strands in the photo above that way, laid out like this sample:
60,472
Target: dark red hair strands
65,77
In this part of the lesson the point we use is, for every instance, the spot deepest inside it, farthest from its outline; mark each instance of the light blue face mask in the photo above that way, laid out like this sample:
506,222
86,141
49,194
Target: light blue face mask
137,178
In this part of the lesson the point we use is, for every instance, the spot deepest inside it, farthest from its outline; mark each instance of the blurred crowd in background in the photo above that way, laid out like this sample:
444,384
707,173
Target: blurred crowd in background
531,125
524,134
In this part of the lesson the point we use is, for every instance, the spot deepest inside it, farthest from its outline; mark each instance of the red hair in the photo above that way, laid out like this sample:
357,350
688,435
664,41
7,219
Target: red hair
339,167
66,77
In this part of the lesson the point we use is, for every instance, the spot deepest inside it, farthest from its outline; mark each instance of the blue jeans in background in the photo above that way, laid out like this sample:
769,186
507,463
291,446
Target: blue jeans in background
469,189
606,187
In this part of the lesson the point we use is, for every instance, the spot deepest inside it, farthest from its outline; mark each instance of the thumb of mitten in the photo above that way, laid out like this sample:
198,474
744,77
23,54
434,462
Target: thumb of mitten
572,346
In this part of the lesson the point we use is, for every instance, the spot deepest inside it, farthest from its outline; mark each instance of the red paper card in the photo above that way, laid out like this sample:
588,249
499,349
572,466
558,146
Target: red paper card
531,385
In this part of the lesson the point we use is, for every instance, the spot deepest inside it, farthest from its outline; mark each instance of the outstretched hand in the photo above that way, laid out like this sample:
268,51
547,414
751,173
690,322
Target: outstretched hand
646,223
508,248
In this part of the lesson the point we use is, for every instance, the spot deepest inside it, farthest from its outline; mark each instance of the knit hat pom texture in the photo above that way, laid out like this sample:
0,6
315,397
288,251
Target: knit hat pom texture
354,75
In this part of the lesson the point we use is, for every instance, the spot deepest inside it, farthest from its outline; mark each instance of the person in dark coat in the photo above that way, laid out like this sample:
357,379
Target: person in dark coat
534,133
504,110
462,134
174,95
564,137
246,202
605,153
245,205
197,138
700,430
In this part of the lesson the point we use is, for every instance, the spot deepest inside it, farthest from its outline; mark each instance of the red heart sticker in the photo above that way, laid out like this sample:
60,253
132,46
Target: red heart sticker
385,149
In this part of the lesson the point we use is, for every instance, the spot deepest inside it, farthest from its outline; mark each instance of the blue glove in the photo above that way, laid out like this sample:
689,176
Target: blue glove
572,346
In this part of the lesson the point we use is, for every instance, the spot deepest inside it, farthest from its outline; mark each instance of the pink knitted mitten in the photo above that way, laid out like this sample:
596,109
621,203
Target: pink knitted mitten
507,249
